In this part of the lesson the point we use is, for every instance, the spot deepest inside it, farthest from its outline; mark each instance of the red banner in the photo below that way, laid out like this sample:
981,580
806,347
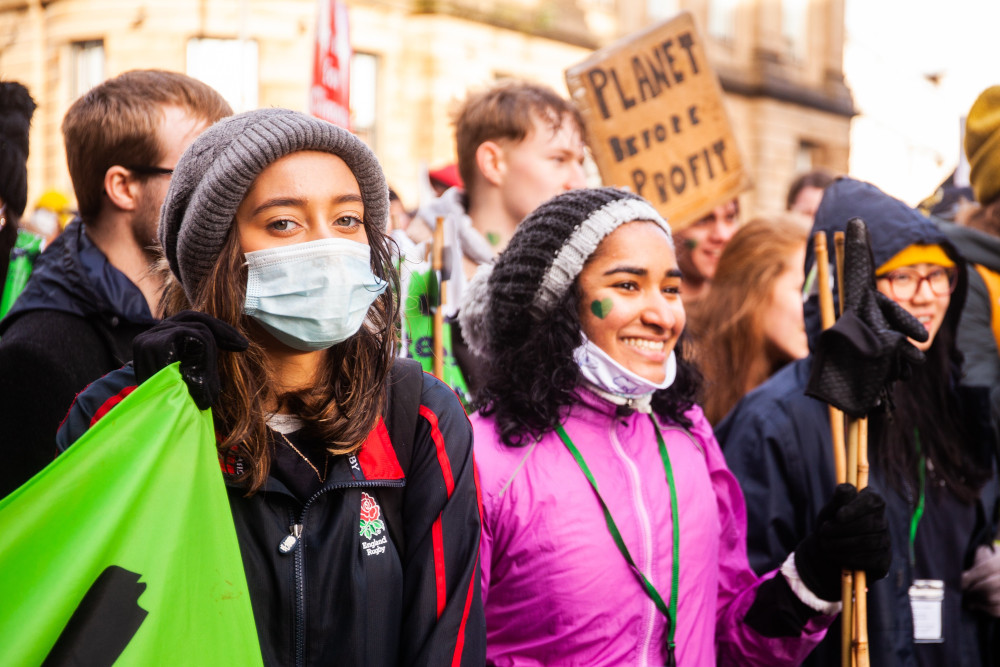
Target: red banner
329,94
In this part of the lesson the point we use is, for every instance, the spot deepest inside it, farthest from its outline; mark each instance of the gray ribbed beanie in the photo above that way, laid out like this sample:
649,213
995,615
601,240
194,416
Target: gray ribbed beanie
214,174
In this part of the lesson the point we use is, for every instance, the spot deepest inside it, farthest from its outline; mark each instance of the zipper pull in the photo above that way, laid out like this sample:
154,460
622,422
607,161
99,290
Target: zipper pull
291,540
671,655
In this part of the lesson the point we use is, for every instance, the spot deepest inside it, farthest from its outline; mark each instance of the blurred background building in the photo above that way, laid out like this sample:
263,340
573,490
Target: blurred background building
779,61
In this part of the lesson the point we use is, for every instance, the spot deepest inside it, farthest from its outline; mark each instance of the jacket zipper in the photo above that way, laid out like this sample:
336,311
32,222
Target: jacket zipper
291,542
647,537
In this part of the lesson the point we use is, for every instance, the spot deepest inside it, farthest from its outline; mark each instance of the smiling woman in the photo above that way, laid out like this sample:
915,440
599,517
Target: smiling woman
635,314
596,466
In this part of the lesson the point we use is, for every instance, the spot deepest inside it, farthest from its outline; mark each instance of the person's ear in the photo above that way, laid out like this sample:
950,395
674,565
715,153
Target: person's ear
121,187
491,161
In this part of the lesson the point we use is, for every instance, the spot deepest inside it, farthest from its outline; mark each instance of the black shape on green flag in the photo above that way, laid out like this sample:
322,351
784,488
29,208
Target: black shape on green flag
103,624
140,493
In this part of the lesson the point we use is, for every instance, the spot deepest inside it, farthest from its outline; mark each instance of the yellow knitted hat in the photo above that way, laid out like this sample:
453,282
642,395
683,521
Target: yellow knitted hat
916,254
982,145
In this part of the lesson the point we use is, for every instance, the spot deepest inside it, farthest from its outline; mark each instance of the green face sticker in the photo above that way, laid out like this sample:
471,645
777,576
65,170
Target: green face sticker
601,308
493,238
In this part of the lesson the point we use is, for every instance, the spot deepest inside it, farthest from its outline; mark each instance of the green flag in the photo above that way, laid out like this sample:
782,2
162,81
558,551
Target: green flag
123,550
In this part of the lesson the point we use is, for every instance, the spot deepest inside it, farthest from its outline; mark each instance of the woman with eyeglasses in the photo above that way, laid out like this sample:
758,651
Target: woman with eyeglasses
931,449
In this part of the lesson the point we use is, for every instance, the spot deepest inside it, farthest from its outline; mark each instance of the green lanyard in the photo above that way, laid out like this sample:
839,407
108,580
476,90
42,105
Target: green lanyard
918,512
671,612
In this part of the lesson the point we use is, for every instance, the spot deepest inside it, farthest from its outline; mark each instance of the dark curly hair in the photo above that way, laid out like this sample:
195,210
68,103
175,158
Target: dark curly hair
530,385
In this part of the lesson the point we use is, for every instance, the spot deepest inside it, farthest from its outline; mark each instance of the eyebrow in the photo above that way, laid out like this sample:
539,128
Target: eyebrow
298,201
635,271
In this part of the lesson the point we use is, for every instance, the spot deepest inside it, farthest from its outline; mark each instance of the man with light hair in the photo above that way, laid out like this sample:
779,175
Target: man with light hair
519,144
94,287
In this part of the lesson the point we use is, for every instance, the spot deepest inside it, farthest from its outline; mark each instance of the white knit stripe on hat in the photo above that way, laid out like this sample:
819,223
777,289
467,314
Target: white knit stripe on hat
582,243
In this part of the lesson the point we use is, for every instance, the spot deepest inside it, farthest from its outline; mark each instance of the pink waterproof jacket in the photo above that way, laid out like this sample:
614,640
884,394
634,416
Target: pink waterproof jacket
556,589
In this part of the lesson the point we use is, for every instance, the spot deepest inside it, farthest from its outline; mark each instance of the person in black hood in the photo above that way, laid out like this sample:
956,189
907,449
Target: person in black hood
91,290
930,450
16,109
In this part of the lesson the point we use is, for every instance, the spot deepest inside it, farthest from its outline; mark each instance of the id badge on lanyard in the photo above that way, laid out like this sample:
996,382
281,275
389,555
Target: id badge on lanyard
927,603
926,595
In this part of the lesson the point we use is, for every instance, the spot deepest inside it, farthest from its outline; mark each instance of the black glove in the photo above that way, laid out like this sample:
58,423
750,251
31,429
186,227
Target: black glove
852,534
867,349
194,339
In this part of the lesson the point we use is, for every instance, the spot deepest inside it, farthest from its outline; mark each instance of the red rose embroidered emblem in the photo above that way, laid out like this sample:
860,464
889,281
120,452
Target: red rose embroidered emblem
371,524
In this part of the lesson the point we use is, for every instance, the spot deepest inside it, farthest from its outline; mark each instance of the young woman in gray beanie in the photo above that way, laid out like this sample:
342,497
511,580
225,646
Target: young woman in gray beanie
350,480
613,532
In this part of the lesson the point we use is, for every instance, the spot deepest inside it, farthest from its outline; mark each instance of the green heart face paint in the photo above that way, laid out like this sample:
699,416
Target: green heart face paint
493,238
690,244
602,308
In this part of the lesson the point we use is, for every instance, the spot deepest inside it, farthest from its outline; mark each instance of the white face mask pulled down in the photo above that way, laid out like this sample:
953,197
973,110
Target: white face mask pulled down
614,382
313,295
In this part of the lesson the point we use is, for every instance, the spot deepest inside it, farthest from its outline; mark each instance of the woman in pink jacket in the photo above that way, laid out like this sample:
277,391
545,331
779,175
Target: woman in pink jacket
613,533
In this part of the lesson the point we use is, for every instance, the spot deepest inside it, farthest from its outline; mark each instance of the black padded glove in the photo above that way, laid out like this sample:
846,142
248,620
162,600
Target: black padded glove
194,339
852,534
867,349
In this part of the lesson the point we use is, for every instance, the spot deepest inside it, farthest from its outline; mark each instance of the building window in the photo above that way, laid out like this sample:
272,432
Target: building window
88,65
794,27
809,156
229,66
364,96
722,19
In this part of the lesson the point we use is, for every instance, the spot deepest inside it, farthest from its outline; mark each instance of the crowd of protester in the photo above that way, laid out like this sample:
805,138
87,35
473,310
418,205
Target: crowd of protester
646,473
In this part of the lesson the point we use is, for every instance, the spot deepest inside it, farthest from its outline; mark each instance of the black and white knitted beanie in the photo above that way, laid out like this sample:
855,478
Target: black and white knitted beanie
542,261
16,109
214,174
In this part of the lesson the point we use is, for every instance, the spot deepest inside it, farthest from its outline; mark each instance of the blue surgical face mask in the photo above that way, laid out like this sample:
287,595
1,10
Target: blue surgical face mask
311,296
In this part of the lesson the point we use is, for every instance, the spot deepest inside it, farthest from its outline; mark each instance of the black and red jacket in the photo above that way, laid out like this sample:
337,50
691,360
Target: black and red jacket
327,586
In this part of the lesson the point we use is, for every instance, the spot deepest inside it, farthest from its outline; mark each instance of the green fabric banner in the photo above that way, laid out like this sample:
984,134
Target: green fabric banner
123,550
422,293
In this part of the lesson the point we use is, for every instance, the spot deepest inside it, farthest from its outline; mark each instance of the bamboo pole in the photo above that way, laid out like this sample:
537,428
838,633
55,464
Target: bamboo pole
437,267
860,585
839,240
848,580
827,318
840,462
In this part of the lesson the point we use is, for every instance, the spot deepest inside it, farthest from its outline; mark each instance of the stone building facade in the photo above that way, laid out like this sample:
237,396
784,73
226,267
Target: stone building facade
780,63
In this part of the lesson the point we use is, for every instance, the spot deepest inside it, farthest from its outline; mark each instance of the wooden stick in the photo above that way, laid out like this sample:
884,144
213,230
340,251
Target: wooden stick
862,453
847,618
827,318
839,240
860,588
437,265
848,582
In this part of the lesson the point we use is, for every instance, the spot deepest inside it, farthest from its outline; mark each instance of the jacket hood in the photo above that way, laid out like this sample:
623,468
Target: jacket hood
73,276
892,226
976,246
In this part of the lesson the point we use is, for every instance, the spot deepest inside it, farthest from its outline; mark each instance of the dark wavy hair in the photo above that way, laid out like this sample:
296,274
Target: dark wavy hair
929,403
348,397
529,386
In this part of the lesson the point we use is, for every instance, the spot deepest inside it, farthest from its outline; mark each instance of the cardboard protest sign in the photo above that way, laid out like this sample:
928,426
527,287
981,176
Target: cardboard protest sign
655,121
